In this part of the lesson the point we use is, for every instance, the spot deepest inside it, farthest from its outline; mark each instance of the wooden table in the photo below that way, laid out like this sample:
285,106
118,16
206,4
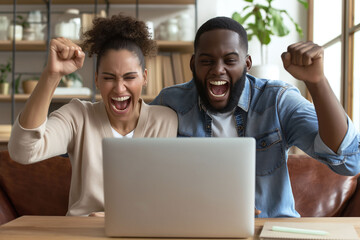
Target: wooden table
53,227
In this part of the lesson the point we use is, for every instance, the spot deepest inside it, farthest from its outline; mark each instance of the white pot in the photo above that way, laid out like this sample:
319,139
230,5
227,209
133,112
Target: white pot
18,32
267,71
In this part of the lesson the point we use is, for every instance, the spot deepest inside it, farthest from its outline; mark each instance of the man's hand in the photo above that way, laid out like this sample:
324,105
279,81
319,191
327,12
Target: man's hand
257,212
304,61
64,58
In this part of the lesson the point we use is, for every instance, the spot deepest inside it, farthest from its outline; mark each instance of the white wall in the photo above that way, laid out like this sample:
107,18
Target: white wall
34,61
212,8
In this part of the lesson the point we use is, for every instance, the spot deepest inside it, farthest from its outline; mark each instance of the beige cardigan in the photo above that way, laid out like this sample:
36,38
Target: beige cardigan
78,128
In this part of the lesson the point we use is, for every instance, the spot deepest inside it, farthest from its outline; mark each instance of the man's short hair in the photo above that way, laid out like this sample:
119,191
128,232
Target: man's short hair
223,23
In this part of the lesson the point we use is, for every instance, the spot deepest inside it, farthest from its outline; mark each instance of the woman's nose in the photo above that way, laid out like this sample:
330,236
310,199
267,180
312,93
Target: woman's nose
120,86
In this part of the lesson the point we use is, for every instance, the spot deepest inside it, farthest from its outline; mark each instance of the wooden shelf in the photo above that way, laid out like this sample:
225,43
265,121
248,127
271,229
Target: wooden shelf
165,46
23,45
62,98
59,2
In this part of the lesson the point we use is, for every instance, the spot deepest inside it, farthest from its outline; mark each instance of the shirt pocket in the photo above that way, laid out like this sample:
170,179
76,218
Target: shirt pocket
269,153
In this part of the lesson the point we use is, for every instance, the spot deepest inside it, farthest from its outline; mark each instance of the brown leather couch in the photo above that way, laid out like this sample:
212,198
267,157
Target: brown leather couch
42,188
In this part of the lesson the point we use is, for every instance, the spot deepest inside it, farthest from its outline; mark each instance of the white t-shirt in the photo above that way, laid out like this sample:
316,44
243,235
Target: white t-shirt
118,135
223,124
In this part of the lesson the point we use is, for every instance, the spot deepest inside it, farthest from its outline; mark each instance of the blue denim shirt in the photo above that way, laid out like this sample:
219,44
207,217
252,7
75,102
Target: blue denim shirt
278,117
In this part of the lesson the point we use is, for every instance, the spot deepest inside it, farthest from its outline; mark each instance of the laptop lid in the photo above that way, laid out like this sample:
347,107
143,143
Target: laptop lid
179,187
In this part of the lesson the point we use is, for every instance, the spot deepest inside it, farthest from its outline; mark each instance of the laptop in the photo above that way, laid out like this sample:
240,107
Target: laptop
179,187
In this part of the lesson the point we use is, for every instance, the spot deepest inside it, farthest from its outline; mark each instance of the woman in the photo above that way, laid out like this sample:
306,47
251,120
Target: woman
78,127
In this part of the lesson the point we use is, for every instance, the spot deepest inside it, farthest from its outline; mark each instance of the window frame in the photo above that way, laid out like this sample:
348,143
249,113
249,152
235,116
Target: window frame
346,38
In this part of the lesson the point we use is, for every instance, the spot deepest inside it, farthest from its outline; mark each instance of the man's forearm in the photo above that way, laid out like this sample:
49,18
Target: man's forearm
331,115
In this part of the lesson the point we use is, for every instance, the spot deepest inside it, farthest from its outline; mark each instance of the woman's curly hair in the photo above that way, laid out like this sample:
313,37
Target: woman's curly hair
119,32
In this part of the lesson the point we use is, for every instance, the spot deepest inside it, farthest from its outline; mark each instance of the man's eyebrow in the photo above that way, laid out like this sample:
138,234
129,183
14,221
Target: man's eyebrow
209,55
232,53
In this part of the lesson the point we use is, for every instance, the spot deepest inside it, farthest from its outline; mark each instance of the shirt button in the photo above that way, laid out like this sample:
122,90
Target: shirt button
241,127
263,143
208,126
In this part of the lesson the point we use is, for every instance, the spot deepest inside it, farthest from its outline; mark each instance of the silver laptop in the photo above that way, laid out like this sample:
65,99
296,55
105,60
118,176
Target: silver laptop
179,187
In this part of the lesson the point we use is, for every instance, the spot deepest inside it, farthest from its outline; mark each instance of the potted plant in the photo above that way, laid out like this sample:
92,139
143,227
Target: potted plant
5,69
29,84
20,24
264,21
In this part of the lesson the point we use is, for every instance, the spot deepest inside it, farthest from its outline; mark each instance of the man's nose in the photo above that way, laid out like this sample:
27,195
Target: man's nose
219,68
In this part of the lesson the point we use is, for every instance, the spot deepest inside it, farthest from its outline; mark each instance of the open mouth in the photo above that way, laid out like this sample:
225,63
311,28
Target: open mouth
120,104
219,88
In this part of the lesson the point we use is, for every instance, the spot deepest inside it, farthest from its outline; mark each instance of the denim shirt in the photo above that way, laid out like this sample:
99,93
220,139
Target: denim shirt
278,117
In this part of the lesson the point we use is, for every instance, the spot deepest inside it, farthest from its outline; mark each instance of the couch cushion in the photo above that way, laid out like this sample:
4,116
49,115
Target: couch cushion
318,191
37,189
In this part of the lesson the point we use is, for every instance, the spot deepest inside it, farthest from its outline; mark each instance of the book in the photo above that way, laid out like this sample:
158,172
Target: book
335,230
177,68
168,75
185,63
158,75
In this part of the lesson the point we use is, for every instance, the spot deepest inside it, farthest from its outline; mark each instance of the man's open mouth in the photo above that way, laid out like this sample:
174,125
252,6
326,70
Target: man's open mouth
218,88
120,103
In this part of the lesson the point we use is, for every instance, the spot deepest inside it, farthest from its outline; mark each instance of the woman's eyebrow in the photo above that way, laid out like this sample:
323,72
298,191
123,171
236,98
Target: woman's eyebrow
109,74
129,73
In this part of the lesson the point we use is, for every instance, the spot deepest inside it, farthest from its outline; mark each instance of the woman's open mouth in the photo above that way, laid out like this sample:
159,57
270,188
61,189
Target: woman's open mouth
218,88
120,104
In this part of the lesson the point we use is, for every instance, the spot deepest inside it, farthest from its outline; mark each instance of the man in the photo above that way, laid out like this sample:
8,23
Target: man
223,101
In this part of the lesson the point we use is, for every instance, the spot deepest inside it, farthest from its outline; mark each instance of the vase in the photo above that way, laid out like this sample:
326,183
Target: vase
18,32
266,71
4,88
29,86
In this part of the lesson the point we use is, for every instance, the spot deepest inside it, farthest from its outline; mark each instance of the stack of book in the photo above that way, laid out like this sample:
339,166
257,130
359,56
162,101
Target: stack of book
167,69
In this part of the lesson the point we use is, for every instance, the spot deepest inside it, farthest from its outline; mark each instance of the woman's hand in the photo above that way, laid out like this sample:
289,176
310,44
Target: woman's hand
97,214
64,58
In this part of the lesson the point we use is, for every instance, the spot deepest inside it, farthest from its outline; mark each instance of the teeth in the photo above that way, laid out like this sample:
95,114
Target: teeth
221,95
120,99
218,83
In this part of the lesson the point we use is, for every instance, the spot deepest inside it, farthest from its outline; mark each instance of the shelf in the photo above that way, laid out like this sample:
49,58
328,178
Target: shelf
165,46
62,98
23,45
59,2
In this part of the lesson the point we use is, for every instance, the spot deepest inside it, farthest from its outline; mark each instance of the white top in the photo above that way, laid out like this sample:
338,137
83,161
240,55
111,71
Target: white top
118,135
223,124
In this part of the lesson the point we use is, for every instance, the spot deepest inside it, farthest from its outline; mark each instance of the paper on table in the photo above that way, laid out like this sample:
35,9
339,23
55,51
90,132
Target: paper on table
336,230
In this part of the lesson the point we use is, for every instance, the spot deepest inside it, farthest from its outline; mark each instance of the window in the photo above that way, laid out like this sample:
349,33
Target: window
336,27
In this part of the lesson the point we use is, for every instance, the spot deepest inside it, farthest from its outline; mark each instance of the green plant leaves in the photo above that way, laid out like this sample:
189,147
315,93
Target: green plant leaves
264,21
4,70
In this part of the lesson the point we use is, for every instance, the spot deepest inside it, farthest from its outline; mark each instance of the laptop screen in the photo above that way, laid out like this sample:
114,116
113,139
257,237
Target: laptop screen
179,187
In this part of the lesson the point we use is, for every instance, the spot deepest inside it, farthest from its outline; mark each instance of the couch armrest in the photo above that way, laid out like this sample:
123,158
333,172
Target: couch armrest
318,191
353,207
7,212
37,189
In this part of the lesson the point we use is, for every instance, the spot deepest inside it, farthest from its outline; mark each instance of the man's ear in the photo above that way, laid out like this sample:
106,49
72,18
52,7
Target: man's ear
192,63
248,62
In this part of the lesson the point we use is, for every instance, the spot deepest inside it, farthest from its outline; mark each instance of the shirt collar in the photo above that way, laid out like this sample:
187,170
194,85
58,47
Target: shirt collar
244,100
